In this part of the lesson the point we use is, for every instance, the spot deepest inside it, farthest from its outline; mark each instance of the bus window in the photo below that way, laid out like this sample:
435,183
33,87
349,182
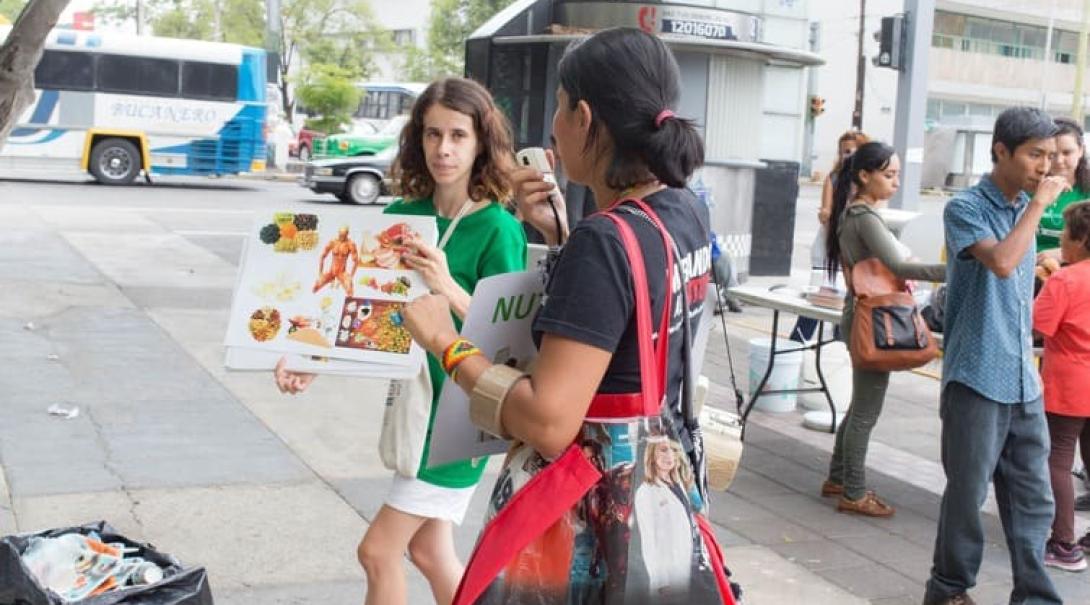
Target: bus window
60,70
138,75
209,81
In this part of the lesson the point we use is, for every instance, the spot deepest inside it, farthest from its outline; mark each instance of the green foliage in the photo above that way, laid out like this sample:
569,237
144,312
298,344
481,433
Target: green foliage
451,23
12,8
331,92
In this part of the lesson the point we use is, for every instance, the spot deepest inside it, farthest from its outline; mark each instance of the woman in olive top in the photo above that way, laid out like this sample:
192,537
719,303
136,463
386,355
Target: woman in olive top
1070,163
861,233
453,161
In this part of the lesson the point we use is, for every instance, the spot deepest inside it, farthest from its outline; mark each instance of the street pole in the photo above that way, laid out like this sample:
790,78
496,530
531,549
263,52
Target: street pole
1048,56
908,132
272,39
860,69
1080,66
811,90
139,17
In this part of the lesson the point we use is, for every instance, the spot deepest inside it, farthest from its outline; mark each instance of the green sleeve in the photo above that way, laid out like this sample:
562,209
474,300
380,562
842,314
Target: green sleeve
878,239
506,252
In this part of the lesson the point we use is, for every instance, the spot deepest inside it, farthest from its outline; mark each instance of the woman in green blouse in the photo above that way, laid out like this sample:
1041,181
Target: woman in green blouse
455,154
1070,163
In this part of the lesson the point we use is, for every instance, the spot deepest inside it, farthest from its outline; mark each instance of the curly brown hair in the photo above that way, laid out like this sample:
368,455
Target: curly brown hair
488,179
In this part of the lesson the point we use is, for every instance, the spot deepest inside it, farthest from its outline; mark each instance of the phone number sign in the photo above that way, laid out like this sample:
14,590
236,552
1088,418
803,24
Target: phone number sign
698,29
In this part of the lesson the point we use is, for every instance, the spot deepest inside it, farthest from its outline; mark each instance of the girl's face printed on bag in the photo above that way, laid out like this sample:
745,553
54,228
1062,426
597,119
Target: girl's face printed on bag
1068,154
450,144
665,460
882,184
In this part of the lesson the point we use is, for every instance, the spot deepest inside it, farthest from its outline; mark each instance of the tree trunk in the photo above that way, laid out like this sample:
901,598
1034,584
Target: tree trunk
20,55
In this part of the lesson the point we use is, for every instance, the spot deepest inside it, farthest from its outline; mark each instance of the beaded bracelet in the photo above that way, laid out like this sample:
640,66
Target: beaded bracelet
458,351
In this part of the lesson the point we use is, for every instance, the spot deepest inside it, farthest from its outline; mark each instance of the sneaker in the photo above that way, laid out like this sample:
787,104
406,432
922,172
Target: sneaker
1068,557
1084,542
831,489
1082,502
868,505
958,599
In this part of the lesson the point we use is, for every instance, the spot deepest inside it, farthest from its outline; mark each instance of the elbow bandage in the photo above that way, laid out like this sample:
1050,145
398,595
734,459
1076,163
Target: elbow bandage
486,402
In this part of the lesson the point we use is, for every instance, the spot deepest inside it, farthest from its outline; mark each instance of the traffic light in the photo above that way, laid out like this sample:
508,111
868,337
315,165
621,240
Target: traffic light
890,42
817,106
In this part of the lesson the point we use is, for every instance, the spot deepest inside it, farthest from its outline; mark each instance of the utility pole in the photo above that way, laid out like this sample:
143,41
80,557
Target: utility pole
1048,56
140,17
272,39
860,69
908,133
1077,113
811,90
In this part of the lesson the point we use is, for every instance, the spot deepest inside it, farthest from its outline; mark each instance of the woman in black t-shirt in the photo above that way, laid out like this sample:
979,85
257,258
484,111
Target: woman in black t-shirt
604,387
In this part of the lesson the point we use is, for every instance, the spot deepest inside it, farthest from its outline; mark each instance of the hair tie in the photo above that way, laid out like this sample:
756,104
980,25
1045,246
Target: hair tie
664,115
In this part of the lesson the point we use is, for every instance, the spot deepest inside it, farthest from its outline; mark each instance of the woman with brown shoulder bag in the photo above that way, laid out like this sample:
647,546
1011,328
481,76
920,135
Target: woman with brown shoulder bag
890,335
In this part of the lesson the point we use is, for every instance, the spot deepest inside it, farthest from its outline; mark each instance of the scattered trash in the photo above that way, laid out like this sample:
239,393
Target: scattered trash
53,357
94,565
29,325
67,413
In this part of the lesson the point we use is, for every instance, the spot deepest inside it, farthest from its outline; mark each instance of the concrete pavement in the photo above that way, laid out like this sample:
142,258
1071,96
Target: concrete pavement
128,288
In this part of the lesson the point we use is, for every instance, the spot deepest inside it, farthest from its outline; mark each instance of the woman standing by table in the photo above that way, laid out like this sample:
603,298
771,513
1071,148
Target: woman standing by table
858,233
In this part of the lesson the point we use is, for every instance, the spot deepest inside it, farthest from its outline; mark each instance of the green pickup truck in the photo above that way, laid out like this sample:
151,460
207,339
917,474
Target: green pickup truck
362,140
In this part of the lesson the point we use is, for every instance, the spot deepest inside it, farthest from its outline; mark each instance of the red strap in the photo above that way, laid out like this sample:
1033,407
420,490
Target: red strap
616,405
715,553
663,350
530,512
651,390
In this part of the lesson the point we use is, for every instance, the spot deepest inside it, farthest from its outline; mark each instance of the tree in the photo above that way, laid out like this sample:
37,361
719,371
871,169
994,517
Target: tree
11,8
337,32
450,24
19,55
331,92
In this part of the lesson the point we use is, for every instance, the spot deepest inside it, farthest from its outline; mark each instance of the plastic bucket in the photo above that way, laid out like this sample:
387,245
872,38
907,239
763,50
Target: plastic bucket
836,364
785,374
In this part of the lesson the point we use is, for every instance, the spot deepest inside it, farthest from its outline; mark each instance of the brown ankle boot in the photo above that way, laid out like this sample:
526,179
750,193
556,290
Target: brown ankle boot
831,489
868,505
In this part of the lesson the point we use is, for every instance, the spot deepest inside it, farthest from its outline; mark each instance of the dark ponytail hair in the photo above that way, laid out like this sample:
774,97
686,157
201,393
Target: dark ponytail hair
628,78
870,157
1082,170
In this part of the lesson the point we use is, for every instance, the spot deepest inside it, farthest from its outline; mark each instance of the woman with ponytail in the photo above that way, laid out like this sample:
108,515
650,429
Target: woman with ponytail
869,178
608,380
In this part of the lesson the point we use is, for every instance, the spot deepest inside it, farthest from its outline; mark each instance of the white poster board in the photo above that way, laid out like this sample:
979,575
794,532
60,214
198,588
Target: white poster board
327,284
498,322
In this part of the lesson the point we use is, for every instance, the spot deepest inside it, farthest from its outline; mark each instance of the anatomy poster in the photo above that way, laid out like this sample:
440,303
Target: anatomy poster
330,284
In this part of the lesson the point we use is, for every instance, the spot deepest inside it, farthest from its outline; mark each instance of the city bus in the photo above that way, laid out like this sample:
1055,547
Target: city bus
120,105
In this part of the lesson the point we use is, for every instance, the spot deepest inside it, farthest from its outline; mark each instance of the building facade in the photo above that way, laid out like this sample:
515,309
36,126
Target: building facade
407,21
984,56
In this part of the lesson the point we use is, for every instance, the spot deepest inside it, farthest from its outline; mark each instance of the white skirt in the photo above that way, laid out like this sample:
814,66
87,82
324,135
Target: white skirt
415,497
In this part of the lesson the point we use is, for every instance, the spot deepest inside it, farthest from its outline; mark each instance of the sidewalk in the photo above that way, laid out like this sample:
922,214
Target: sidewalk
271,493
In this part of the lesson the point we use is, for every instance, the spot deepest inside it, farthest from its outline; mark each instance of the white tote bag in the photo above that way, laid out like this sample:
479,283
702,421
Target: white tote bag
408,405
405,423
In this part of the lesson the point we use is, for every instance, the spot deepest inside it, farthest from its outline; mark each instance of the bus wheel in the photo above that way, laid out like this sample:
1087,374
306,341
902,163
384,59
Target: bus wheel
363,189
115,162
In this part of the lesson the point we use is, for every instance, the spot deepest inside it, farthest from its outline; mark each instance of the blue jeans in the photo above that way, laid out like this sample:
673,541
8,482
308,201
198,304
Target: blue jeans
982,441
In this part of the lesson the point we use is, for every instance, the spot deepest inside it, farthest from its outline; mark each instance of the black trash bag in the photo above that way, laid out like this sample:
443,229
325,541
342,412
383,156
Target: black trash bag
180,586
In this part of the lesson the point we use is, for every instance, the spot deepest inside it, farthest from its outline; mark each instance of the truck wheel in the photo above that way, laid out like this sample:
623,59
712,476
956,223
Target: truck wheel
115,161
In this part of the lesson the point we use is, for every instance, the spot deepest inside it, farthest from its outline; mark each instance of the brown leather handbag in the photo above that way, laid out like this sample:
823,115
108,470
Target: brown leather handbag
888,333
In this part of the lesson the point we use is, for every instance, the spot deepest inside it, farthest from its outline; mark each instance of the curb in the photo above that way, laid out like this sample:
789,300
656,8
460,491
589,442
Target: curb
281,177
7,507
